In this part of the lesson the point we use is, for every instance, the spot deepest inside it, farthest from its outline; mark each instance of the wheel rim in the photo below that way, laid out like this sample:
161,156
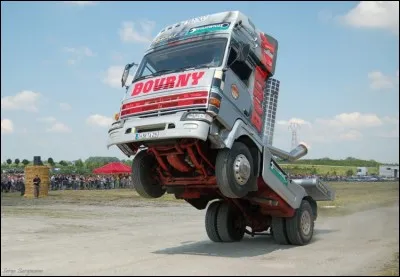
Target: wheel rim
305,222
241,168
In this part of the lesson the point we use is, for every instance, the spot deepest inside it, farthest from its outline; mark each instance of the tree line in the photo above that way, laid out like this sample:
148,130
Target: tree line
350,161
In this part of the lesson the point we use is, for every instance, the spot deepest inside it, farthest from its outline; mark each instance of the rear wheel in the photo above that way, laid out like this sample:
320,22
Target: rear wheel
234,170
278,230
143,172
211,221
230,223
300,227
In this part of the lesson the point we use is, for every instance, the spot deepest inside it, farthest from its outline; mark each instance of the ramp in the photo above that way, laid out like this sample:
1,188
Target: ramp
316,189
279,182
292,190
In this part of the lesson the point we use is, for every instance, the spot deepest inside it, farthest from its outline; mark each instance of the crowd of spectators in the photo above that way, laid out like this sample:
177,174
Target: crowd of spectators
12,182
16,182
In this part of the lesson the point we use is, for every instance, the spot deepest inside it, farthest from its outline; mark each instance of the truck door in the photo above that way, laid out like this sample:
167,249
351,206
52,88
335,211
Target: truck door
238,102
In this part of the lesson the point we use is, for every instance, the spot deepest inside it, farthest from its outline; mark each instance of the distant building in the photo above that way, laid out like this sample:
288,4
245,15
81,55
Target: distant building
362,171
390,171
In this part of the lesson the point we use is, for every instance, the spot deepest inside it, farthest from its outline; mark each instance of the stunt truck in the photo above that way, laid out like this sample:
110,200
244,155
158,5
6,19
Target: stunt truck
198,119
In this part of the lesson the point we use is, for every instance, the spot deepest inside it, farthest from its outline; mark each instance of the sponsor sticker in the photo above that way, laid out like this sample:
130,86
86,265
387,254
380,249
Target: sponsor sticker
209,28
278,173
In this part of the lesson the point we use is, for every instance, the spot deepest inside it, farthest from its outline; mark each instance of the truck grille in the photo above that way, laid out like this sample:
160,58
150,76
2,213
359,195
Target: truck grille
166,104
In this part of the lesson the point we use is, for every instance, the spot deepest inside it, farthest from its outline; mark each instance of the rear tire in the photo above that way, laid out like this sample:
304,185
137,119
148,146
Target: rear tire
278,230
234,170
143,172
211,221
230,223
300,227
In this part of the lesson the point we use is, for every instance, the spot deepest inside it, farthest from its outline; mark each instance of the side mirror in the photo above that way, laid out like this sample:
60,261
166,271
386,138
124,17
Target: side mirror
244,52
125,74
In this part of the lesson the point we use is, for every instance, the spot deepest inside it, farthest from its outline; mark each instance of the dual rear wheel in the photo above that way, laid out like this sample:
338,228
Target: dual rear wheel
224,222
296,230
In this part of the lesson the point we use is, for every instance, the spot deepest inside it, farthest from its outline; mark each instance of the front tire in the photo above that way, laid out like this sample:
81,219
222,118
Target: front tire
143,172
234,170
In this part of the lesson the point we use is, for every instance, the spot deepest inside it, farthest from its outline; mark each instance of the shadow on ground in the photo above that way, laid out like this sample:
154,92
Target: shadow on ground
248,247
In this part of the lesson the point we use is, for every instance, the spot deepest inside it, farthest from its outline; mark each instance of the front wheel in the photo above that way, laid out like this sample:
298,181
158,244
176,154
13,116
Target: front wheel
234,170
143,173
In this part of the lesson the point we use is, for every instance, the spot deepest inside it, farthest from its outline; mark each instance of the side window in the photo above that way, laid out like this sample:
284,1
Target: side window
241,69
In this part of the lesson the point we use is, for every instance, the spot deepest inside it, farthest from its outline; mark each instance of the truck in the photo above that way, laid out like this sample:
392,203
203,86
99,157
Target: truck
198,119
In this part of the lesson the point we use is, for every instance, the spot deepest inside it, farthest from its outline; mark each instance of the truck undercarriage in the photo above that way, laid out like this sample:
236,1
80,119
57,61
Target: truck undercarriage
186,168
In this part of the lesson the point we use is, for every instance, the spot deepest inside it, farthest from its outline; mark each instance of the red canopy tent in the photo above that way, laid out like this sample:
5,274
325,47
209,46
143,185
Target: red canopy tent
113,168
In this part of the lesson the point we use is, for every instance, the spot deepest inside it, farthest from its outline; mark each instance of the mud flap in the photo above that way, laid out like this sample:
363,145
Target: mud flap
316,189
279,182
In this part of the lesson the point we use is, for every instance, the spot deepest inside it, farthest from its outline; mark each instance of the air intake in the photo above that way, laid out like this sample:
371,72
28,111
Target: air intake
270,104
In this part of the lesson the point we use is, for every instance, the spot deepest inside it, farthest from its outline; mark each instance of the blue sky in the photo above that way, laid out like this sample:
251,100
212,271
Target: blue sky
61,64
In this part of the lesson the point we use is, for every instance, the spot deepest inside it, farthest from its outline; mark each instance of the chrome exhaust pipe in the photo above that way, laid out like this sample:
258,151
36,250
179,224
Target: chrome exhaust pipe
298,152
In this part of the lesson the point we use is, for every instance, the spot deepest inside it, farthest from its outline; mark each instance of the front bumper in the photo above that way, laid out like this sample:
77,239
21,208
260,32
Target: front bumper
158,128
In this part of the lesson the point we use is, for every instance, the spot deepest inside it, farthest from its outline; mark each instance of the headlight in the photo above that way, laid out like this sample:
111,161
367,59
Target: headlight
197,116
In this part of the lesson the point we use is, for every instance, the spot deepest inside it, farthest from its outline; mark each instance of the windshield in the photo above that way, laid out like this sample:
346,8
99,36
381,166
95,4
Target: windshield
194,54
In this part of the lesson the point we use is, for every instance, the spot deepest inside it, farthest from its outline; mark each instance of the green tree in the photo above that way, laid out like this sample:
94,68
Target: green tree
63,163
51,161
25,162
9,161
79,163
17,161
349,173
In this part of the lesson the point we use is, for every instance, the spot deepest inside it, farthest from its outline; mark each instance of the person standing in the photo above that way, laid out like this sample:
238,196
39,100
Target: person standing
36,185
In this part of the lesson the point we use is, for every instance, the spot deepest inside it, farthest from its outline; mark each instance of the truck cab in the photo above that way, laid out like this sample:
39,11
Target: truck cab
199,118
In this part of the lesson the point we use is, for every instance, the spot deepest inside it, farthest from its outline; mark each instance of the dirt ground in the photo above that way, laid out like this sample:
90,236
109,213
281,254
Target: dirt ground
168,238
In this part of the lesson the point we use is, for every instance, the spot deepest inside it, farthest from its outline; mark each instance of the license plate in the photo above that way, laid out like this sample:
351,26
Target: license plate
147,135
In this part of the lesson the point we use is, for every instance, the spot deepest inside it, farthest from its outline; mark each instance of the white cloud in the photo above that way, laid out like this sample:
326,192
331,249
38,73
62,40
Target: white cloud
350,135
391,120
58,127
374,14
353,126
81,3
129,32
48,119
78,54
7,126
380,81
99,120
114,74
352,120
65,106
294,120
25,100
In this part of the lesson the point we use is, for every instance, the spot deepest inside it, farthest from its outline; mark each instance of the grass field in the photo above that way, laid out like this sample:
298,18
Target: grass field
350,197
327,169
391,268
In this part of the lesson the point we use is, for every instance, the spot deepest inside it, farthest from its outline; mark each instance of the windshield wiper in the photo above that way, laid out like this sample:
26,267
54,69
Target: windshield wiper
157,73
152,74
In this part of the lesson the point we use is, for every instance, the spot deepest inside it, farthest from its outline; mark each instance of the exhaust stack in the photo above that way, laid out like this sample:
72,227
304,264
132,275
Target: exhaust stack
298,152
